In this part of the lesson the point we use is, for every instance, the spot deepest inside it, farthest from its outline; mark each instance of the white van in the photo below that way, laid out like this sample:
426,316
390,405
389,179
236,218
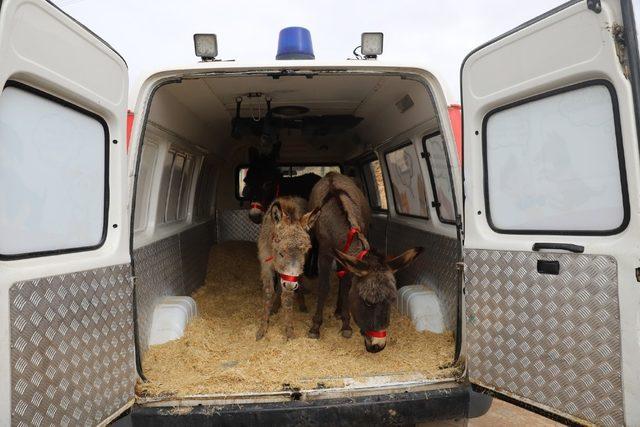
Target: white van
532,248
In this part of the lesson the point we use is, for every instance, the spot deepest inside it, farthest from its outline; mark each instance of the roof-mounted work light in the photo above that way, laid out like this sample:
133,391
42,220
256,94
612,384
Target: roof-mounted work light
371,44
206,46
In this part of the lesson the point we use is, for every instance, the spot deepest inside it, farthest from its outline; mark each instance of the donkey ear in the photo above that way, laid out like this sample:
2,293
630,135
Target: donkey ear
404,259
309,219
351,263
276,212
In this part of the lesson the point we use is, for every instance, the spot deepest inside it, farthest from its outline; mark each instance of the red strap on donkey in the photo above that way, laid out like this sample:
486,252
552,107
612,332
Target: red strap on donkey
352,233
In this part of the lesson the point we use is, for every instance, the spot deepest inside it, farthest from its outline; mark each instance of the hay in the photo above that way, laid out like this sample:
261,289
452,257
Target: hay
219,354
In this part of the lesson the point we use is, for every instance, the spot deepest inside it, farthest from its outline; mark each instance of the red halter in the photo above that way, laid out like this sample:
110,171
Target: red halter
376,334
352,233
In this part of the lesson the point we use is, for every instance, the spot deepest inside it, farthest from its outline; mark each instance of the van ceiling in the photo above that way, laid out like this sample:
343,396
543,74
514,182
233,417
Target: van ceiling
372,97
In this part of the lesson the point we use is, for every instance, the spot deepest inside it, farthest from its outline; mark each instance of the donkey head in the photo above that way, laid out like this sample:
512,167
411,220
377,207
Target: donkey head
291,242
261,182
373,291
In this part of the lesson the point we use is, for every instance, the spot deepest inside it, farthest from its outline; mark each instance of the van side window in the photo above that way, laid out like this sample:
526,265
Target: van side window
53,174
374,182
204,190
440,176
554,163
407,183
179,186
145,180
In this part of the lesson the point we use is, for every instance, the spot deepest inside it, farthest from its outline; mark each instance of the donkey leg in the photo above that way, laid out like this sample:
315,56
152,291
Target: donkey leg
323,290
338,312
299,295
275,306
345,286
268,293
287,303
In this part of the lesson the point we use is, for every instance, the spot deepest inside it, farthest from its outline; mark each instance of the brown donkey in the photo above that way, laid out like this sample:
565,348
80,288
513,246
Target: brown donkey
340,231
283,244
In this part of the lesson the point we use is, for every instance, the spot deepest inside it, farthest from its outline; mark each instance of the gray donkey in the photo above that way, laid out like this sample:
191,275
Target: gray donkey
341,233
283,244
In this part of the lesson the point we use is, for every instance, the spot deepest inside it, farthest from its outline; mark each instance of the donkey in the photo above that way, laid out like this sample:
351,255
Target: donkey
283,244
340,230
264,182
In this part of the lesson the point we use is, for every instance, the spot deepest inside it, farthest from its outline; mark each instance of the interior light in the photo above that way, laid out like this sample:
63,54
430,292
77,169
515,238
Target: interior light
371,44
206,46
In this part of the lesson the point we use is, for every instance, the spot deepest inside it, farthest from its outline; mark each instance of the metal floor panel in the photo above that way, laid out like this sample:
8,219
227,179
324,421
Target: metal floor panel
552,339
72,348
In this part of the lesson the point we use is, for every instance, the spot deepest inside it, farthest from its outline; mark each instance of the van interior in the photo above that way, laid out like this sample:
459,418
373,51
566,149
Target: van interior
193,236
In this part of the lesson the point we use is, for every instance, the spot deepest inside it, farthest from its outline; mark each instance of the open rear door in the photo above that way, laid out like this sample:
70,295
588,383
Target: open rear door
552,219
66,332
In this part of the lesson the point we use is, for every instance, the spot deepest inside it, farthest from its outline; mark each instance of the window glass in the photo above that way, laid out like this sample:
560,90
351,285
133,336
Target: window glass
374,182
552,164
440,177
288,171
204,190
143,188
242,173
52,175
406,182
175,182
185,188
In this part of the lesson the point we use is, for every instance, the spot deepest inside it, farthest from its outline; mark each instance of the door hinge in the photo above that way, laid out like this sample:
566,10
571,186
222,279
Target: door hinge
594,5
435,204
459,221
460,266
424,155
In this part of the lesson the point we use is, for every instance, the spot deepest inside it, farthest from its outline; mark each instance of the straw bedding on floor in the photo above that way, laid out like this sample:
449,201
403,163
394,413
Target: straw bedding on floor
219,354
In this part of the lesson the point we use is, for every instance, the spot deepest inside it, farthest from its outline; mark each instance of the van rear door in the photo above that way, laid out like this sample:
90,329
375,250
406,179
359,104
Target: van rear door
552,217
66,323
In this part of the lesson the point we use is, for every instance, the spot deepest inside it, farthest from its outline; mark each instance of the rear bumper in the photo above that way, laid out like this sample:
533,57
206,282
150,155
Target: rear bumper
388,409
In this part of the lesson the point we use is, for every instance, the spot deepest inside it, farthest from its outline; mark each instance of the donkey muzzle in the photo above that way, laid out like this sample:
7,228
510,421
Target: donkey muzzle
256,212
289,283
375,341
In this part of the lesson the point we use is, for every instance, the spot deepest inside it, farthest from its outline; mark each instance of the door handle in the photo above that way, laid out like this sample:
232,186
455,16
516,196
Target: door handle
578,249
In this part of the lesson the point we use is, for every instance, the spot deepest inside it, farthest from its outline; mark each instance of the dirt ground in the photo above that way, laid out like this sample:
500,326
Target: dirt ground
502,413
219,353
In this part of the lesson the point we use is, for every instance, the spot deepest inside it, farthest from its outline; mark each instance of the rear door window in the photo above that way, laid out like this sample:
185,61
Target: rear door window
53,174
374,182
554,164
407,183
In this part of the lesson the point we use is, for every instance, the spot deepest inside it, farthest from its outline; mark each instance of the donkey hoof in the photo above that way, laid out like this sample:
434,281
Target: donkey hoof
274,310
346,333
337,315
260,334
303,309
313,334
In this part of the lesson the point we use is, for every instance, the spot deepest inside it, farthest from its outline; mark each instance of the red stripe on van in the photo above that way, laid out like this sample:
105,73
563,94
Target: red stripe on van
455,116
129,127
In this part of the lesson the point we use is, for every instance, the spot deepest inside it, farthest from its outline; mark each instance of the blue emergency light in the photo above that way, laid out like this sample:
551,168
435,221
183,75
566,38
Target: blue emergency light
295,43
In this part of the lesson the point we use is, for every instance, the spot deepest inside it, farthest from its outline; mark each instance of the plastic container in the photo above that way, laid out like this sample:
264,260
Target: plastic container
422,306
170,318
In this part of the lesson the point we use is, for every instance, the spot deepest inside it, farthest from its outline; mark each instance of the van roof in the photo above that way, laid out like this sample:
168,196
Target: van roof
150,77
